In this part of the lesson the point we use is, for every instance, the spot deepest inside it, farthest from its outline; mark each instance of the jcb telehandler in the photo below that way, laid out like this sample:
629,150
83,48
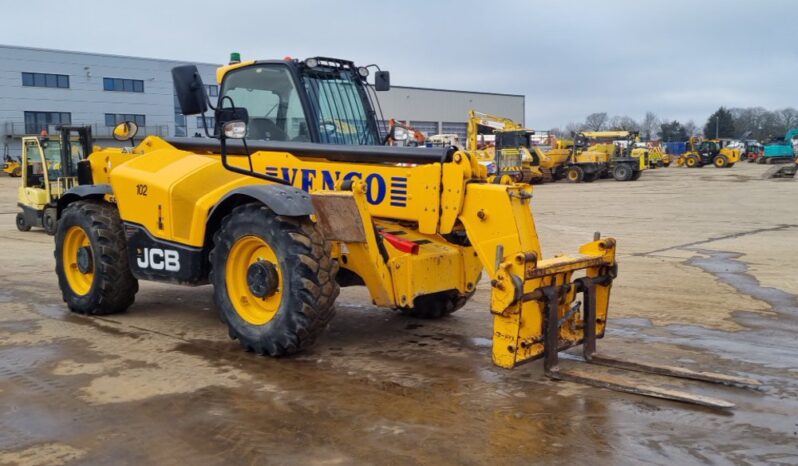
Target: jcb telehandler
276,221
49,170
702,152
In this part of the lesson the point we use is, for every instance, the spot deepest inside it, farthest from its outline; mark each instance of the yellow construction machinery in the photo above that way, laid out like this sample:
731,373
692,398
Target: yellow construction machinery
50,170
11,166
276,224
702,152
592,155
626,160
508,153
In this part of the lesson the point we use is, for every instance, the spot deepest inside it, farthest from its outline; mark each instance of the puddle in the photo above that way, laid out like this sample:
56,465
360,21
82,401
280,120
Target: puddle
724,266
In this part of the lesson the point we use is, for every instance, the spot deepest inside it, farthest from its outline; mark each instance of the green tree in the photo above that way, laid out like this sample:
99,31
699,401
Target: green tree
673,131
720,124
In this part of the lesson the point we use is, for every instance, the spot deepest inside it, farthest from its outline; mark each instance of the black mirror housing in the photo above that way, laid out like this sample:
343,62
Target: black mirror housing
382,80
189,89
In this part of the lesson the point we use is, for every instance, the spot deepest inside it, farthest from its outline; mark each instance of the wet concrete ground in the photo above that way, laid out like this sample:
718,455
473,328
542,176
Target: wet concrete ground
708,280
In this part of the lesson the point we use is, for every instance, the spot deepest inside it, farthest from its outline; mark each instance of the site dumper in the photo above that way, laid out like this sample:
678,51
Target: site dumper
277,225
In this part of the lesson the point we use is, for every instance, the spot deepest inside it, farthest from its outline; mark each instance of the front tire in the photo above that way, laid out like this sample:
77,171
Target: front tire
17,172
691,162
22,225
273,280
49,221
91,259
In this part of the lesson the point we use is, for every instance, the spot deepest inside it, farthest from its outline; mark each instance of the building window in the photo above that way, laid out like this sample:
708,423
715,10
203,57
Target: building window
212,90
123,85
459,129
427,127
35,122
45,80
209,120
113,119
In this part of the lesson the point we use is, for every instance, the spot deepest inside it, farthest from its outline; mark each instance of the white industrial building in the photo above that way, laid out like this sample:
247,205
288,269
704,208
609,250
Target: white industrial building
40,88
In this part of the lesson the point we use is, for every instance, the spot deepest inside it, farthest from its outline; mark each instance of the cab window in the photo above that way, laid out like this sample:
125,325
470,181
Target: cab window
272,102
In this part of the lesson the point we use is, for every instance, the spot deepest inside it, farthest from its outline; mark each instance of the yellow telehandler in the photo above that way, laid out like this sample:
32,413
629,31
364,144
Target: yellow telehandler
702,152
276,212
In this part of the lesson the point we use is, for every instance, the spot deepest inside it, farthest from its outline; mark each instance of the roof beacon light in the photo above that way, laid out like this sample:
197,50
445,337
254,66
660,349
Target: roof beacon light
235,57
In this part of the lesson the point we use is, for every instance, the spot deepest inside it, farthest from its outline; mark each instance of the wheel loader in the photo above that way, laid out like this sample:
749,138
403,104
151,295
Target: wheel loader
50,165
277,220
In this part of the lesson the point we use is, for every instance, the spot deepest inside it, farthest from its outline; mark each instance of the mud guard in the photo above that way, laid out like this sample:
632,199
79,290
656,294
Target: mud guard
88,191
281,199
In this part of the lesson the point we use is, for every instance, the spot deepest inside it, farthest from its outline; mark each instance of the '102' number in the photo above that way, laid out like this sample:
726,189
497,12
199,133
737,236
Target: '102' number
141,189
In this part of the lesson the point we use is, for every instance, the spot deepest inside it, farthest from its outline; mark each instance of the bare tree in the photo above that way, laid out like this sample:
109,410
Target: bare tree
789,118
596,121
623,123
573,127
690,128
649,125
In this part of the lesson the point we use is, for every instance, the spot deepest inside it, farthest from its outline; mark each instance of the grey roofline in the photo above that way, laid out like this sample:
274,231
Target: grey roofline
41,49
458,91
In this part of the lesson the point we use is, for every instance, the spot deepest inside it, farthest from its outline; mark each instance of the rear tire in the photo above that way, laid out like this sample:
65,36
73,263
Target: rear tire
575,174
622,172
17,172
636,175
111,287
21,224
290,315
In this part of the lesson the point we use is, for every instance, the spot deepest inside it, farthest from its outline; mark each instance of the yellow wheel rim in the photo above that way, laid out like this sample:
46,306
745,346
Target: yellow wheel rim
247,251
573,175
79,275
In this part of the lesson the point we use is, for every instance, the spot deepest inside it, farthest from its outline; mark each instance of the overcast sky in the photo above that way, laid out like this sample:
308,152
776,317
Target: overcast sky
680,59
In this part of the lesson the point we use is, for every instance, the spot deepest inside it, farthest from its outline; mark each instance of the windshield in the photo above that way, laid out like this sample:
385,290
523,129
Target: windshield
338,103
272,102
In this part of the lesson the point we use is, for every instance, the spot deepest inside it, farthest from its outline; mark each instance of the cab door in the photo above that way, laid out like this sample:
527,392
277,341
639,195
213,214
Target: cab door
35,186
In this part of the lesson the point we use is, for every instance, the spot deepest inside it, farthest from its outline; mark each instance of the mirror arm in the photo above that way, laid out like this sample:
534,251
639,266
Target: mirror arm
250,172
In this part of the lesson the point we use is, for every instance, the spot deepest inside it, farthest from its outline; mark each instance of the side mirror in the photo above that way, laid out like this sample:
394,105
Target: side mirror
382,80
189,89
125,131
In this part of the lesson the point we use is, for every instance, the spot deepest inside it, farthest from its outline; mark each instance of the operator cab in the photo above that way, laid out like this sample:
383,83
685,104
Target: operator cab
320,100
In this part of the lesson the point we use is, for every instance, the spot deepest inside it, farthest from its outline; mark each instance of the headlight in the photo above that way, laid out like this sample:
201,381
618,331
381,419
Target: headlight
311,63
363,72
235,129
